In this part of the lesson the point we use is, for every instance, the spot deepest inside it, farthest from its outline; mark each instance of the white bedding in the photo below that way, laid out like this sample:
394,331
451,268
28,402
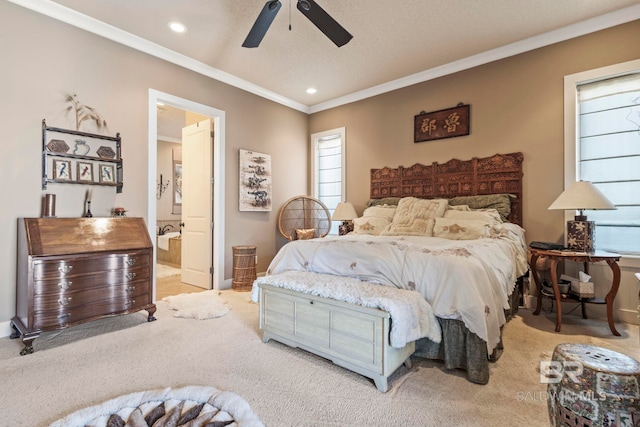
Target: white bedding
469,280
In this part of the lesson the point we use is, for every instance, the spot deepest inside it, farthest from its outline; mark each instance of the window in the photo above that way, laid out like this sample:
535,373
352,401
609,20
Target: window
605,149
328,172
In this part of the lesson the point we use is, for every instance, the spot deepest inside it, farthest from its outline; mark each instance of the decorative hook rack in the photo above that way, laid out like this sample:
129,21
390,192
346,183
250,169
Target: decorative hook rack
161,187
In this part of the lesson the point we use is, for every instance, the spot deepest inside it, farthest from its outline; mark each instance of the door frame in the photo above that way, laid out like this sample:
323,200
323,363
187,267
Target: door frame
218,117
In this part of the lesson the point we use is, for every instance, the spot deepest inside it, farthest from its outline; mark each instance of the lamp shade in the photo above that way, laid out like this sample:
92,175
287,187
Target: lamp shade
582,195
344,212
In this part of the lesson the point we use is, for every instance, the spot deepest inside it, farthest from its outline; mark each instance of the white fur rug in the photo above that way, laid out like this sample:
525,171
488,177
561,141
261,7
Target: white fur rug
166,271
198,305
192,405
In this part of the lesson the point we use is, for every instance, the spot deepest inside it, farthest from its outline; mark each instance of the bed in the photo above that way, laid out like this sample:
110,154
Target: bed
451,232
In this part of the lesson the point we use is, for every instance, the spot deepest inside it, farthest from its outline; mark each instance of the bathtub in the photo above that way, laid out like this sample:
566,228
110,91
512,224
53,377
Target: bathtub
170,248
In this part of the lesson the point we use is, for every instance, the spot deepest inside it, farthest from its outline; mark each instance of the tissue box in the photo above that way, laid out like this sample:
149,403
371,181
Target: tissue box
582,289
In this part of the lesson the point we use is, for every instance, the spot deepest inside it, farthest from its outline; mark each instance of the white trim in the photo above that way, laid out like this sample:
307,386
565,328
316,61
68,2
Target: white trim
314,158
602,22
70,16
218,174
92,25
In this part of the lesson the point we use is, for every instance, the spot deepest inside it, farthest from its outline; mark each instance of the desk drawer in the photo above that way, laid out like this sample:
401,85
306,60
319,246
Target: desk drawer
62,267
95,279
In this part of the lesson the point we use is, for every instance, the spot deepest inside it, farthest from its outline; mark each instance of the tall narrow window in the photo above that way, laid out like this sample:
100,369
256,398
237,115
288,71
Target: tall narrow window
328,183
607,153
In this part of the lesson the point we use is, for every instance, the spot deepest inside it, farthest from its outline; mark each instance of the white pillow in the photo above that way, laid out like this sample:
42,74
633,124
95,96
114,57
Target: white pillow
384,211
488,215
414,217
374,219
462,229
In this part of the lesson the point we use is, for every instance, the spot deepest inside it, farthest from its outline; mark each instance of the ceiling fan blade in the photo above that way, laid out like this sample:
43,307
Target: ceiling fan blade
262,24
324,22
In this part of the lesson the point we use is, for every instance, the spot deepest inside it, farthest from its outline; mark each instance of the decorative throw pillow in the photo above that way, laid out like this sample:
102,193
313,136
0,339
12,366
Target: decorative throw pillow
458,208
384,211
414,217
391,201
499,202
370,225
305,233
461,229
488,215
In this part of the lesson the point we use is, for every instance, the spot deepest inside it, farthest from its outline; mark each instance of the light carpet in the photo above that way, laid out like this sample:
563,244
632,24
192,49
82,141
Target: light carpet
163,271
91,363
190,406
198,305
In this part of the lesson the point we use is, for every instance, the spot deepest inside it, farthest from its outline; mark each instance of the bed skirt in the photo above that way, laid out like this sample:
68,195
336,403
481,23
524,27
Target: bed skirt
462,349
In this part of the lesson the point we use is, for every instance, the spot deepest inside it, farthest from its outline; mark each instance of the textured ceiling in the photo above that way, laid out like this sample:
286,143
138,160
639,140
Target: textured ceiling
391,40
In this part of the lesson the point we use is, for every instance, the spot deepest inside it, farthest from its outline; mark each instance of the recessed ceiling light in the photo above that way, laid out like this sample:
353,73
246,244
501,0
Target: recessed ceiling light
311,90
177,27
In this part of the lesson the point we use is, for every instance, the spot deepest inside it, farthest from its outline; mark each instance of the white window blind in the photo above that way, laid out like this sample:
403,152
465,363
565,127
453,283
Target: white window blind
329,170
608,155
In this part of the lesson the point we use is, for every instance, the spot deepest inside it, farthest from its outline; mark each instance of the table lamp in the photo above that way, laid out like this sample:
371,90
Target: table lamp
579,196
344,212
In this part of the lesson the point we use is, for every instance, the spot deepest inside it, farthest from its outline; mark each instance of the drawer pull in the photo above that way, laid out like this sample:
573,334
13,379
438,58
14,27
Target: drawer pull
131,261
64,301
65,268
64,317
130,303
64,285
131,276
131,288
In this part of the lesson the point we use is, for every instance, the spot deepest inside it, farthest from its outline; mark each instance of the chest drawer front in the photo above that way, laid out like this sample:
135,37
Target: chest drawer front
61,317
358,336
79,265
95,279
74,298
277,312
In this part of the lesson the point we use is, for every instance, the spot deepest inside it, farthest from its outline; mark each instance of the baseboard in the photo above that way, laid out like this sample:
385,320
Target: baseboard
5,329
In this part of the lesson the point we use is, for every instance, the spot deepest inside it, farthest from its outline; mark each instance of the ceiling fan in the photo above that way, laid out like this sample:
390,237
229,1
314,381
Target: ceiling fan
310,9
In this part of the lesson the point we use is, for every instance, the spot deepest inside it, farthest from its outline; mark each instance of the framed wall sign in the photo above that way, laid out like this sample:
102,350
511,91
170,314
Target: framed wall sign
447,123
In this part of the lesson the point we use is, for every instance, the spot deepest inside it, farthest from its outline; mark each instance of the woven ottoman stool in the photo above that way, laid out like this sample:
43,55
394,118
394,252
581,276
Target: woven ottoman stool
593,387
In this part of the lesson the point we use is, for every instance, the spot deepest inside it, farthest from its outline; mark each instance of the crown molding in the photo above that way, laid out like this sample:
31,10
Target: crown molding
87,23
602,22
92,25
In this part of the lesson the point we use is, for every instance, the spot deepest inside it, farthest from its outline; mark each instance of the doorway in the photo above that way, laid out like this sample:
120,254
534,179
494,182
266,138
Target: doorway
217,190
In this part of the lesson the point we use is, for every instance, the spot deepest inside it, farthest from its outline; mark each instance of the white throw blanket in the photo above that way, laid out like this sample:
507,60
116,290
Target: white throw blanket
411,316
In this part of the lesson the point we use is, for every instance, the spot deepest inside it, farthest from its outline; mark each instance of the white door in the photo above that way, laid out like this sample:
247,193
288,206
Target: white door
197,242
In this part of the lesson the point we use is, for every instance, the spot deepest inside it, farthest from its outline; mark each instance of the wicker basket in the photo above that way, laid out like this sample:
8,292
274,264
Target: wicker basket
244,267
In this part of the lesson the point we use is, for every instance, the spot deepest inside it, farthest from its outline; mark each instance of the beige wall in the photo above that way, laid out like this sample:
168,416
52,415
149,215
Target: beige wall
516,105
43,58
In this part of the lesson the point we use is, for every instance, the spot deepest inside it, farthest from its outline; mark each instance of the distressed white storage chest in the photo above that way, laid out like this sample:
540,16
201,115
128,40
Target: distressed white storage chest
351,336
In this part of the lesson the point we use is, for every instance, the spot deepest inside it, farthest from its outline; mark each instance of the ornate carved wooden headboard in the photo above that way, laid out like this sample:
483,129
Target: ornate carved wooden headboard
498,174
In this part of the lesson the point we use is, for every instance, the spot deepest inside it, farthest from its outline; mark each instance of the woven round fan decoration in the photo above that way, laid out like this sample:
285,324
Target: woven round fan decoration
303,213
